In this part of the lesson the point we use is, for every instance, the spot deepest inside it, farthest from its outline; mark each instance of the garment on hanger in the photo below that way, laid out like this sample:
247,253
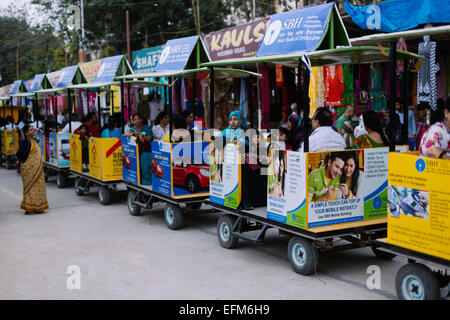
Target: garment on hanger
334,85
348,98
426,77
316,90
441,81
377,97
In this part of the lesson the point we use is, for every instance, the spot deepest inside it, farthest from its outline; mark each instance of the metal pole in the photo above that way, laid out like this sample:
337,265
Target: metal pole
129,101
307,125
392,90
194,109
35,111
127,15
122,101
170,111
405,133
99,111
211,97
70,109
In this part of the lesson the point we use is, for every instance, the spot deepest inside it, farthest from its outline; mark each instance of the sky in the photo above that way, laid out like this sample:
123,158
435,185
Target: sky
35,15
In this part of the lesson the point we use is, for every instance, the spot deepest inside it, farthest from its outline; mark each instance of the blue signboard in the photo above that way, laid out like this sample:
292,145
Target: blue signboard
37,82
130,160
399,15
161,170
15,87
108,69
146,60
176,54
67,76
295,31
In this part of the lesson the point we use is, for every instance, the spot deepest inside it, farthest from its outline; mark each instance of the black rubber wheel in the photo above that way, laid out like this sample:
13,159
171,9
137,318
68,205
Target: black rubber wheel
104,195
224,227
192,184
416,281
383,255
194,205
61,180
173,216
78,191
134,209
303,256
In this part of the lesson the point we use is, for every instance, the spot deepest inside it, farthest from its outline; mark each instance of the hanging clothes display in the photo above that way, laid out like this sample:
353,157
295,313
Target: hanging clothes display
377,96
174,97
426,77
183,95
334,85
401,45
316,90
348,98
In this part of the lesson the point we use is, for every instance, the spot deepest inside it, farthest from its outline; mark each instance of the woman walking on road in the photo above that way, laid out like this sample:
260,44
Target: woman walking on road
32,170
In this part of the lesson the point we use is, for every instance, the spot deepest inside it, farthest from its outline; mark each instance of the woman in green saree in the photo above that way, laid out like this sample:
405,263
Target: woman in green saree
375,136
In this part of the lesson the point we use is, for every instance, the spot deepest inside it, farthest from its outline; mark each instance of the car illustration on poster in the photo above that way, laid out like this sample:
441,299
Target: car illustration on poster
157,169
191,176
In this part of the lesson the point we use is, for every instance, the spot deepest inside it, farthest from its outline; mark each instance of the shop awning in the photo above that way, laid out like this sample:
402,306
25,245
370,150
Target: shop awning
219,73
347,55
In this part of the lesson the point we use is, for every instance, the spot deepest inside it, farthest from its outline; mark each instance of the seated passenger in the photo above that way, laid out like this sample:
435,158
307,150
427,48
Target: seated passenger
179,131
161,127
345,127
435,142
113,129
323,137
234,132
189,118
144,137
85,134
375,136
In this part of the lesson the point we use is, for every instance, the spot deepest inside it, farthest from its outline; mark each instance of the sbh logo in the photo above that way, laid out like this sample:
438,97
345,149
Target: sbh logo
164,55
374,20
272,33
420,165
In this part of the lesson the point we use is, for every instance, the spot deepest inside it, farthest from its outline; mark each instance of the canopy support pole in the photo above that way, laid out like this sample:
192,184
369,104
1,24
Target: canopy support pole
69,92
170,111
129,102
122,101
392,90
306,108
194,109
99,111
405,133
211,97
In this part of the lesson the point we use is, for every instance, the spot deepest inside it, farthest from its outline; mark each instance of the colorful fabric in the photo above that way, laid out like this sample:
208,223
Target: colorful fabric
348,98
365,142
34,192
318,184
437,135
377,96
316,90
159,132
334,85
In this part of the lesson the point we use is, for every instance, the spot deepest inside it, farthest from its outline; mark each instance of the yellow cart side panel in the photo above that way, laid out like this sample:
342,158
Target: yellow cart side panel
76,159
95,161
419,198
111,158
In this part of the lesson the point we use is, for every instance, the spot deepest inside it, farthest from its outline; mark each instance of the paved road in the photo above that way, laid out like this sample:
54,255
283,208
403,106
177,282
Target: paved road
126,257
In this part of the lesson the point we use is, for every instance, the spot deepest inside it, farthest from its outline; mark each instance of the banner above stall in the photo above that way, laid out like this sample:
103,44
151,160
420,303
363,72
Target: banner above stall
90,69
71,75
17,87
399,15
147,59
40,81
236,42
112,67
309,29
182,54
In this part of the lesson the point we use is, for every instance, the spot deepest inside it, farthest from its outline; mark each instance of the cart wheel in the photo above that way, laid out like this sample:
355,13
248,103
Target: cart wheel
303,256
415,281
383,255
173,216
224,234
78,191
134,209
194,205
104,195
61,180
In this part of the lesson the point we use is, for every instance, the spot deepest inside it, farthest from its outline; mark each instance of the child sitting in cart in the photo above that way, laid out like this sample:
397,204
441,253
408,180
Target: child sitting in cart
85,134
